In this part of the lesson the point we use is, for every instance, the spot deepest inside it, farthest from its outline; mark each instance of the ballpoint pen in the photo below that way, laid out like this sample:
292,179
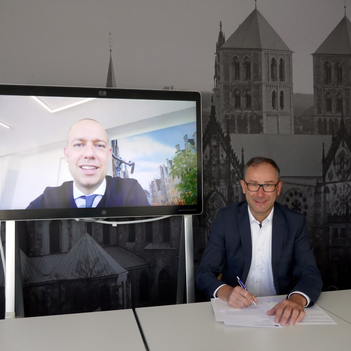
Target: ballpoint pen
243,286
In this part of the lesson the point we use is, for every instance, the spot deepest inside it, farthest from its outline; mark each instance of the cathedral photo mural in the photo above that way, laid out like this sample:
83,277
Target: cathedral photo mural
254,112
256,103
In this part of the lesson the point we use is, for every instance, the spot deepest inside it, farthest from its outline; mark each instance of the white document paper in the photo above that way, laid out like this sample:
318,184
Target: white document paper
316,315
256,316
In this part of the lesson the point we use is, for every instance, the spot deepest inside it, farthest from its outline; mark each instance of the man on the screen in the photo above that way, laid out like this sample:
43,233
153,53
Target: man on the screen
88,154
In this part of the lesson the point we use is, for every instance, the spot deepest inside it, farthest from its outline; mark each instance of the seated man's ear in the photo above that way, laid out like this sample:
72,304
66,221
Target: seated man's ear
243,186
65,152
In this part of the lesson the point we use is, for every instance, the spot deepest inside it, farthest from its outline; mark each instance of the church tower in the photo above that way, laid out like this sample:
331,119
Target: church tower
332,81
253,83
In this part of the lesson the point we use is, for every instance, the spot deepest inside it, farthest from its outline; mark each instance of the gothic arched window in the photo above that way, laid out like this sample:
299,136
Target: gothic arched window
149,234
236,67
131,233
164,287
327,73
273,69
144,286
242,124
274,100
281,100
237,102
55,237
231,123
89,228
336,124
247,100
166,230
247,68
106,239
339,103
331,127
338,73
328,103
281,70
255,125
320,126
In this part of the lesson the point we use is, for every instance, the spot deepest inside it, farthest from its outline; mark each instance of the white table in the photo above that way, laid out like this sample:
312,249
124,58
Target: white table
192,327
337,302
111,330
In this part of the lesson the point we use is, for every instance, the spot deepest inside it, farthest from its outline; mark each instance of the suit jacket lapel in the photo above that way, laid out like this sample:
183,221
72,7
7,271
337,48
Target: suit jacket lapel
278,233
68,196
245,235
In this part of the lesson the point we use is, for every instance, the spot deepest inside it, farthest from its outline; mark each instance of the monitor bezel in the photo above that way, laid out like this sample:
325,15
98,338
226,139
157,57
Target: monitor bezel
111,93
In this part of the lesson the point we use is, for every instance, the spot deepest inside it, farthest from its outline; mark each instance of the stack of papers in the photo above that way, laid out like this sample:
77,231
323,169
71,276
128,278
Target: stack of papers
255,316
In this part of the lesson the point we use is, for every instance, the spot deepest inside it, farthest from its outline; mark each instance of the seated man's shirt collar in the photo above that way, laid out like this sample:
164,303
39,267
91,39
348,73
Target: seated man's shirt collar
99,191
253,219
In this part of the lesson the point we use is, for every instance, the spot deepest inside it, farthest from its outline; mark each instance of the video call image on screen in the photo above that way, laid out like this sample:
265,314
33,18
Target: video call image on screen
152,141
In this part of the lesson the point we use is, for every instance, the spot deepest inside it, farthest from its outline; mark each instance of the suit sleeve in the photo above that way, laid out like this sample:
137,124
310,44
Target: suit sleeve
55,197
305,269
36,204
213,258
136,196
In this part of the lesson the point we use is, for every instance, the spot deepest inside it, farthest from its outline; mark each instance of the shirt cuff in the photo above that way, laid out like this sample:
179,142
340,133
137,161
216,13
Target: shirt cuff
215,292
300,293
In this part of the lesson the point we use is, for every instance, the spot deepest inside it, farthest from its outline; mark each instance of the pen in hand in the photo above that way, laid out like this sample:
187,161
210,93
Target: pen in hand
243,286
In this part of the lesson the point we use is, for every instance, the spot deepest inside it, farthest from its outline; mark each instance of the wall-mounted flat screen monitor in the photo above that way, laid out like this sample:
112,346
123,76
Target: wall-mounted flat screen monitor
75,152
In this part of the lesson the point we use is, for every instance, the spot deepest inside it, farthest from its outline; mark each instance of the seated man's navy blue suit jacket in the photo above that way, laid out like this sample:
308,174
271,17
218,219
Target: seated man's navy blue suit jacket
229,252
119,192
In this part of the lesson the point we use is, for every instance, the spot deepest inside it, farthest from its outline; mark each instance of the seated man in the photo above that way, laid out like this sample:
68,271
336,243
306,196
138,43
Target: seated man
263,243
88,155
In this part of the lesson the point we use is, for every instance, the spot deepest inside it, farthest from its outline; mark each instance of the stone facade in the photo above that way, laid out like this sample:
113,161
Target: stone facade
147,252
332,80
253,83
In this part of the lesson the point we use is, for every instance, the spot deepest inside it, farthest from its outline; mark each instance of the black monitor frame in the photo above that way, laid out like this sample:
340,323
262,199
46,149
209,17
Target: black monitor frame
108,93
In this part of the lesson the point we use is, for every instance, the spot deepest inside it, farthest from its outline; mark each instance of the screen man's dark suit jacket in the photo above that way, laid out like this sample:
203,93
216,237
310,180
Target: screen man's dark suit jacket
119,192
229,252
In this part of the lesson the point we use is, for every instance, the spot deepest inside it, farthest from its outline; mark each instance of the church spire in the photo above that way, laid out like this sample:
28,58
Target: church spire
255,4
345,8
110,82
221,36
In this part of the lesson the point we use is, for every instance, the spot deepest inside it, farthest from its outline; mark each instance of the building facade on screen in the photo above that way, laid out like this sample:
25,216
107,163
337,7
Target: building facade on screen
163,190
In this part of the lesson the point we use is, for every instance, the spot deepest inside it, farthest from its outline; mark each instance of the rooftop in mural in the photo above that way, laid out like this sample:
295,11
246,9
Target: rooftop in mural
87,259
30,273
255,33
338,41
125,258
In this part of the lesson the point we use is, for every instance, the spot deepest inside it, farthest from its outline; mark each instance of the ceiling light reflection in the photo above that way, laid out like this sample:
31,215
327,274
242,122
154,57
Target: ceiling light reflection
4,125
83,101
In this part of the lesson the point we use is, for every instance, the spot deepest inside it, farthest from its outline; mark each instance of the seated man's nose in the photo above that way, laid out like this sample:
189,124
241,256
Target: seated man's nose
89,154
260,191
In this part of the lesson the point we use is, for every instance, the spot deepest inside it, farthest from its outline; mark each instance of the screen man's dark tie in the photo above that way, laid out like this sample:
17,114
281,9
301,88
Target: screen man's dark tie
89,200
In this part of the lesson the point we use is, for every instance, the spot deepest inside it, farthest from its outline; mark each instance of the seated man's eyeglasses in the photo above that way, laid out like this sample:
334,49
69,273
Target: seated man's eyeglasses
268,188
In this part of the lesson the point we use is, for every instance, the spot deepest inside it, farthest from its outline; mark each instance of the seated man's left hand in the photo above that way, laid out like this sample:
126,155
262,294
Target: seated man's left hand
293,308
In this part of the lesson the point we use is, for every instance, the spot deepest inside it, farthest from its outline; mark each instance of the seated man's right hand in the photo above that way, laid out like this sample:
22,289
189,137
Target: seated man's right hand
236,297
